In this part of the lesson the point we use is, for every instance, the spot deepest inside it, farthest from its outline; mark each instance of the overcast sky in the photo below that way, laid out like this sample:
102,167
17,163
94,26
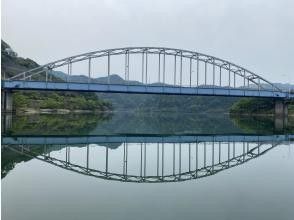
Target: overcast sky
257,34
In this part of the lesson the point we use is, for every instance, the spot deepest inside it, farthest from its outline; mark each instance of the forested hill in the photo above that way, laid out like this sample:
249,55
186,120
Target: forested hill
149,102
12,64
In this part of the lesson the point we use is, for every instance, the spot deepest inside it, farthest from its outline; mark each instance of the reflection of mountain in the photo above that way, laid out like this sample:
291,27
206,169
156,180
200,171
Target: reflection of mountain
121,123
139,123
10,158
262,124
51,124
255,124
167,123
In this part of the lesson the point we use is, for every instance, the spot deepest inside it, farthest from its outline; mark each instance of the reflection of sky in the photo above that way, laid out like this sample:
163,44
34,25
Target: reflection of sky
260,189
254,34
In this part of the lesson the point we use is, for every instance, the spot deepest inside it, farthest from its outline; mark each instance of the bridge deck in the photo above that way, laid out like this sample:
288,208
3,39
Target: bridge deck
140,89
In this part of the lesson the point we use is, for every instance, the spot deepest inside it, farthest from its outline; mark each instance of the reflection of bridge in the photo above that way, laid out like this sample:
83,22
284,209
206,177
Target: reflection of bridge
151,70
18,140
145,163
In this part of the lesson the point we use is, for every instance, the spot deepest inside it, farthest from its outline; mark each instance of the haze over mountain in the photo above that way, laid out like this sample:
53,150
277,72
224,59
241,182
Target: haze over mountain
116,79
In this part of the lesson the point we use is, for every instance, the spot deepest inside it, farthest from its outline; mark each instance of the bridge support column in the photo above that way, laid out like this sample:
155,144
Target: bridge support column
281,115
6,101
281,108
6,122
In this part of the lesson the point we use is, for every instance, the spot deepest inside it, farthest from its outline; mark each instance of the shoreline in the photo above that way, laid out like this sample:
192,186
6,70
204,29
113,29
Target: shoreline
81,111
56,111
257,114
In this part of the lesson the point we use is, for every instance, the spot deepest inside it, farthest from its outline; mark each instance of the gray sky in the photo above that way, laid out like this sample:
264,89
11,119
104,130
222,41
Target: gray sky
257,34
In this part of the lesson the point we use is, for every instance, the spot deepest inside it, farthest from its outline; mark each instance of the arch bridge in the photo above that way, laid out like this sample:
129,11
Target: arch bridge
146,70
147,163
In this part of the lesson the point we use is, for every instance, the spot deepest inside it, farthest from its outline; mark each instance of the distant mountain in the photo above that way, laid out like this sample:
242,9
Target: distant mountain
285,86
11,63
113,78
148,102
116,79
282,86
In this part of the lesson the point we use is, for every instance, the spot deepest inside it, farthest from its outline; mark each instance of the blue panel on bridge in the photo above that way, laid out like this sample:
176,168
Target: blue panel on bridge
140,89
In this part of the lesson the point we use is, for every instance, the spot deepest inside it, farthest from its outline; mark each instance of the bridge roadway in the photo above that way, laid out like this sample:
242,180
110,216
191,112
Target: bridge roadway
141,89
63,140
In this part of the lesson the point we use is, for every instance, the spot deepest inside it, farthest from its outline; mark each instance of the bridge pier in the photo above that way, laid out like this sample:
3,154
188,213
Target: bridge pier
281,108
6,101
281,115
6,122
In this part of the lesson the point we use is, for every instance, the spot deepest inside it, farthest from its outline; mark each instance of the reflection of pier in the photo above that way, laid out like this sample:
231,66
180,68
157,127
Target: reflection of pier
6,122
150,163
63,140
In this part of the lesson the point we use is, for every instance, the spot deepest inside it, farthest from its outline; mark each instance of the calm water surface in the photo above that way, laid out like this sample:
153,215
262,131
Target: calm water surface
146,166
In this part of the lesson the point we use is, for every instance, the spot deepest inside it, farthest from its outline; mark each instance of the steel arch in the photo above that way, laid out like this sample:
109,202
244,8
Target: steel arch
199,57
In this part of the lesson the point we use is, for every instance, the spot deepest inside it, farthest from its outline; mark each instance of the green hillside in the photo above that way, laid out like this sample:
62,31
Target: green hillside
257,106
24,100
167,103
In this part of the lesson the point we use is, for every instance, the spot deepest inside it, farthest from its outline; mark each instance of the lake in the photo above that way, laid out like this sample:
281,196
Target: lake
136,165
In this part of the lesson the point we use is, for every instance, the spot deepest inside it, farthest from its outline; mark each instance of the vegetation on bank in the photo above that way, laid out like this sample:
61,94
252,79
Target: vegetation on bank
12,65
253,106
56,124
169,103
59,100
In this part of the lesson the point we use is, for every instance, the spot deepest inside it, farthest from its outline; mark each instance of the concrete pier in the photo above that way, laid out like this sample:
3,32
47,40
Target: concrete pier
281,115
6,101
281,108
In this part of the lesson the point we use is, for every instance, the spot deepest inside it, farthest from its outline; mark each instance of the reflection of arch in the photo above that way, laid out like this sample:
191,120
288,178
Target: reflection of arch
248,153
219,66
